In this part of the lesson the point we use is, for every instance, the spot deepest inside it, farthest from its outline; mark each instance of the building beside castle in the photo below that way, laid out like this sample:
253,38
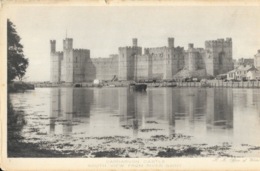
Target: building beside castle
244,62
257,60
160,63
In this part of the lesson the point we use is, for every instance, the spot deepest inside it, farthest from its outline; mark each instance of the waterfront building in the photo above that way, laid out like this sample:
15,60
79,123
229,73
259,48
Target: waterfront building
253,75
257,59
240,73
159,63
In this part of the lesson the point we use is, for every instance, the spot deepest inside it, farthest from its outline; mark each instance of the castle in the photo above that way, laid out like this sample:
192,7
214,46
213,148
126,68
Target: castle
160,63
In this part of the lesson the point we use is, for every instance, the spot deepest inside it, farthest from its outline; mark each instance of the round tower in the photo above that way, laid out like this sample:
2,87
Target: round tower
192,58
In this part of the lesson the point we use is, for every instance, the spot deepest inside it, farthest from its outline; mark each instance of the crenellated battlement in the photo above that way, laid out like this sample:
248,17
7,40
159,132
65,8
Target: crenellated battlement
129,48
68,39
81,50
218,42
158,48
59,52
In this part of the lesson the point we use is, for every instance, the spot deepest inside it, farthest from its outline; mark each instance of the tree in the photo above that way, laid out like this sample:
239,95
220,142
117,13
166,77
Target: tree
16,62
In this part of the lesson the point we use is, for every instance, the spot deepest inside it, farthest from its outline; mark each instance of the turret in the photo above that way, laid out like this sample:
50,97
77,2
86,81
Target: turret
68,43
170,42
190,46
135,44
53,46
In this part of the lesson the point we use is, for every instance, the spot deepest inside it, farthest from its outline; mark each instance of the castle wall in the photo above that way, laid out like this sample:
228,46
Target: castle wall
63,69
80,57
90,70
105,68
157,56
127,62
164,62
142,67
178,61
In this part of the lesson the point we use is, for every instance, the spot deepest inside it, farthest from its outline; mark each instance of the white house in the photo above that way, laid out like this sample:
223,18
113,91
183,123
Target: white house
253,75
240,73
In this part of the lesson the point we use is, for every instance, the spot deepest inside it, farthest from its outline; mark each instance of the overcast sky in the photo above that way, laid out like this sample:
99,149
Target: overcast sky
104,29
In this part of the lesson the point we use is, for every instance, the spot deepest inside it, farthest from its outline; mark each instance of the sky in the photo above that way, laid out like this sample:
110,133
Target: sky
104,29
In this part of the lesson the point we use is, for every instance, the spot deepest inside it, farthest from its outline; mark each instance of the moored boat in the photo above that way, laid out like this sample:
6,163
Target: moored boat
138,87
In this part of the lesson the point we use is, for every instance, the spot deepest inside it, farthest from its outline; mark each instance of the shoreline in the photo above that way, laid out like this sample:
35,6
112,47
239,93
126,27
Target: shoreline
207,84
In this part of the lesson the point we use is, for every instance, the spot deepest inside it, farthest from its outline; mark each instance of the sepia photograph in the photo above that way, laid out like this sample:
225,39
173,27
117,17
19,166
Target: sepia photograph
132,82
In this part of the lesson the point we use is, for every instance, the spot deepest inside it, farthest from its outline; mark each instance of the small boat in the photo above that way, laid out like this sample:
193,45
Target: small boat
138,87
77,85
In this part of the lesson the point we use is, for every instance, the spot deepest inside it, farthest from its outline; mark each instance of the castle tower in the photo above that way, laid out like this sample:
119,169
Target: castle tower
68,60
170,42
135,42
68,43
169,64
55,70
218,58
192,58
53,46
127,61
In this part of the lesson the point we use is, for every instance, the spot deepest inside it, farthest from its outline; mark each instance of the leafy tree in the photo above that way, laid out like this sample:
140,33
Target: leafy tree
16,62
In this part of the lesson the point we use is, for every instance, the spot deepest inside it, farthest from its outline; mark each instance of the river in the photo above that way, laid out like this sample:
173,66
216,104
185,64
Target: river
162,122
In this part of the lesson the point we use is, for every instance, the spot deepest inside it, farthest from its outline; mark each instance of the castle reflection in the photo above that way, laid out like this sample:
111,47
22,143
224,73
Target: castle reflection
172,109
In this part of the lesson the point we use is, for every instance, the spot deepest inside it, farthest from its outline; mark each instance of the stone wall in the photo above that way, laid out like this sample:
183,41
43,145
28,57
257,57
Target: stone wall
158,56
68,57
218,58
126,62
56,59
105,68
80,58
142,67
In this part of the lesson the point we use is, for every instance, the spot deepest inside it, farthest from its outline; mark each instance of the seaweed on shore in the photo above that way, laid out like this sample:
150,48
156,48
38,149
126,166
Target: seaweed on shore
170,152
149,130
112,153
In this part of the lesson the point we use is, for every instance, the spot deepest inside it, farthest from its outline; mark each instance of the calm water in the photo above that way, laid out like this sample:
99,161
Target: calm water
211,116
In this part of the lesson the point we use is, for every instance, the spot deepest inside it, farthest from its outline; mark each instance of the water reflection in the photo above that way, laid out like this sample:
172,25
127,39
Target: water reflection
176,110
219,108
